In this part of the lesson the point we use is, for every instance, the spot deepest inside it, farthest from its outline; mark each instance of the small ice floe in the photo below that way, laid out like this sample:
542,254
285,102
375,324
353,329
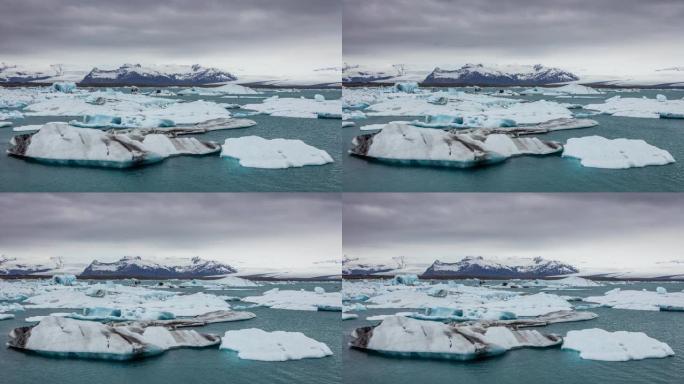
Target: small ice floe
348,124
4,124
60,143
296,107
405,144
257,152
598,344
193,129
63,337
298,300
257,344
346,316
599,152
639,107
6,316
405,337
640,300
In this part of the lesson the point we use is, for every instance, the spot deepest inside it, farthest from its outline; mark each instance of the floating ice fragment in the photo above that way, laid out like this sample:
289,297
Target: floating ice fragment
598,344
257,152
599,152
257,344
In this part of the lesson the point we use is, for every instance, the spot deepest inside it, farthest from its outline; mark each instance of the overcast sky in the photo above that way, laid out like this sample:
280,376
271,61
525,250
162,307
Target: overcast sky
588,230
262,36
588,36
278,230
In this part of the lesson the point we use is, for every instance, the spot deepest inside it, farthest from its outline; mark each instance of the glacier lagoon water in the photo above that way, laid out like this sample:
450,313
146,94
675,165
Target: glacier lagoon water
534,174
191,174
209,365
534,366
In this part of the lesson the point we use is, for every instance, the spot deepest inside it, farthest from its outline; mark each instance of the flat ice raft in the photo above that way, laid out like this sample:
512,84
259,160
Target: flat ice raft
406,144
257,344
402,336
63,337
61,143
598,344
298,300
257,152
599,152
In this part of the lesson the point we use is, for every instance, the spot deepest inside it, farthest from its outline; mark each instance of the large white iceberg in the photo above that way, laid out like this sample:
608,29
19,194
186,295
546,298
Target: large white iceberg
63,144
406,337
257,344
59,336
407,144
599,152
598,344
257,152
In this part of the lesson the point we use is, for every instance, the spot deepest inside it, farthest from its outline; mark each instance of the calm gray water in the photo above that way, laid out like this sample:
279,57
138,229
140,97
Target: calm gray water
192,365
191,174
534,174
540,366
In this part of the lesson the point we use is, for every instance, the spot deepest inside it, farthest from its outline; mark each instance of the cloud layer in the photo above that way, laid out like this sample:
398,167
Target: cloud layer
591,229
594,35
267,229
232,33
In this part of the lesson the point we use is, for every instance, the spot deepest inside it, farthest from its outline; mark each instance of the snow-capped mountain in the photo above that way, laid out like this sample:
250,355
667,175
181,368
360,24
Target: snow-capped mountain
135,266
129,74
359,74
352,266
510,267
480,74
13,267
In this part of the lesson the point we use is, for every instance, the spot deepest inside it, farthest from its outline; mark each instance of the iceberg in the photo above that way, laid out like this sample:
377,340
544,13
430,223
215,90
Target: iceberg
599,152
406,87
63,337
406,337
293,107
598,344
408,279
257,344
425,146
257,152
6,316
639,300
227,89
60,143
64,279
64,87
345,316
297,300
638,107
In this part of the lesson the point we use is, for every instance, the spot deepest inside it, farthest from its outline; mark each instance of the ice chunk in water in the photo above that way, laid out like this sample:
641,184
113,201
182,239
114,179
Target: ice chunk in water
65,87
598,344
257,344
599,152
257,152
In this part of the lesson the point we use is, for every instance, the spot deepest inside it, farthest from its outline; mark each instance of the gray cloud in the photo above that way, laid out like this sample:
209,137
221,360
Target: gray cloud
92,225
101,30
521,29
455,225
